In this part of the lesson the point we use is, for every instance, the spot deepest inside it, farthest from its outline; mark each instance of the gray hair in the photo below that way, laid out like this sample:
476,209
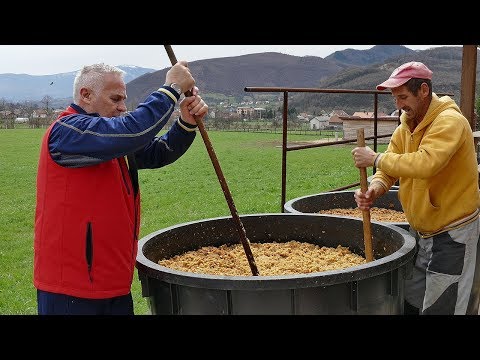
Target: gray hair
91,76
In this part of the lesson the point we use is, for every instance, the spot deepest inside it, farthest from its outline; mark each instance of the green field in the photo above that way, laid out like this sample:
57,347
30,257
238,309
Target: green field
187,190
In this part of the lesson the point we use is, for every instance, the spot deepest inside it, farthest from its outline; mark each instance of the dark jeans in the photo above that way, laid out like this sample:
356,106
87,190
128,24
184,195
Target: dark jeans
60,304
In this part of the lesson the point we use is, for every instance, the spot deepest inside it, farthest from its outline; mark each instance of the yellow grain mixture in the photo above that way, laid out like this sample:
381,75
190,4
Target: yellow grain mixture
287,258
376,214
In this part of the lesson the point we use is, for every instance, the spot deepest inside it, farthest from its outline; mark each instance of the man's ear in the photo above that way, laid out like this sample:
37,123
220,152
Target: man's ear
85,94
425,90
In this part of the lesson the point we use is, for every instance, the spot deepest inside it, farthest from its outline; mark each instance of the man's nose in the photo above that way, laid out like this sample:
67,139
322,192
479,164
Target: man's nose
122,107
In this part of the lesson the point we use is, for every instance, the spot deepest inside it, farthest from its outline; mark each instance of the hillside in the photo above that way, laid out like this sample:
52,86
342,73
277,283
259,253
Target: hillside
445,62
347,69
229,76
377,54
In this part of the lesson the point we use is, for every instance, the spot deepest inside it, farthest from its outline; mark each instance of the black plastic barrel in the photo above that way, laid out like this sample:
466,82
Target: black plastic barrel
311,204
376,287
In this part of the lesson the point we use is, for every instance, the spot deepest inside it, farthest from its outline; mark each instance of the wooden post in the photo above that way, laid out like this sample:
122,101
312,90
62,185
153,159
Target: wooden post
469,75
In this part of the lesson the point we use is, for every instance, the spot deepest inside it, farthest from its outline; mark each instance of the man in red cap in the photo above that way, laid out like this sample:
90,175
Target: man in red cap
432,155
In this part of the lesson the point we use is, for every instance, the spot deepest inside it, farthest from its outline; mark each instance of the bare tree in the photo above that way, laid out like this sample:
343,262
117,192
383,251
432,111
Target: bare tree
27,109
47,106
47,101
9,115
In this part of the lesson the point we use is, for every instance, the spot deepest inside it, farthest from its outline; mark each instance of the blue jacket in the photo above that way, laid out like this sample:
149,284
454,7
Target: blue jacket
82,139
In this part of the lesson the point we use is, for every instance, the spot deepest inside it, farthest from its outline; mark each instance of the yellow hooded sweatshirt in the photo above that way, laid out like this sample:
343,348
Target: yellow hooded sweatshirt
436,166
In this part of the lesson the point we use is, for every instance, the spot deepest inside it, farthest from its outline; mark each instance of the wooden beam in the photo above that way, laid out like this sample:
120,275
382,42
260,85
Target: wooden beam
469,74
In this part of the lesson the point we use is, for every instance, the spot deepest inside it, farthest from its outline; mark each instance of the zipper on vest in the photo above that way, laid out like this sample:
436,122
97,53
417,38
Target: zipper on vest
122,170
89,250
133,172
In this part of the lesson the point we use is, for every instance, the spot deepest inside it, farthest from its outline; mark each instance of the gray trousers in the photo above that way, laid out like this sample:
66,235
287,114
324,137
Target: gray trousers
446,273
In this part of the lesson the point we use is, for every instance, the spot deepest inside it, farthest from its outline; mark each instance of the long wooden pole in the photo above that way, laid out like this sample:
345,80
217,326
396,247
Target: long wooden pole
221,178
367,226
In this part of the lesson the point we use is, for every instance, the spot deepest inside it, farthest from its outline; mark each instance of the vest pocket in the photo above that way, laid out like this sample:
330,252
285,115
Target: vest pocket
89,249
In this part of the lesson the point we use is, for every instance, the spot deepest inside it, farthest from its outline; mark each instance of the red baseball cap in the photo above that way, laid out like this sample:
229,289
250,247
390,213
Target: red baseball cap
405,72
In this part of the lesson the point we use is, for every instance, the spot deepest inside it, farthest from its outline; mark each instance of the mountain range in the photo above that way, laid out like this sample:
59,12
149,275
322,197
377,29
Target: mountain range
24,87
228,77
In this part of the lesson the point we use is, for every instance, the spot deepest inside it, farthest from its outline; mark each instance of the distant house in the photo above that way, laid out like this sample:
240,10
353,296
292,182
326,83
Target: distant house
303,118
368,114
319,122
248,111
259,111
336,117
386,124
39,114
245,110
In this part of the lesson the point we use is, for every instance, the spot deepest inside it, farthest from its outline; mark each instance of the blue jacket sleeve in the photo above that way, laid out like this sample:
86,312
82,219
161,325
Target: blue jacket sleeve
84,139
168,148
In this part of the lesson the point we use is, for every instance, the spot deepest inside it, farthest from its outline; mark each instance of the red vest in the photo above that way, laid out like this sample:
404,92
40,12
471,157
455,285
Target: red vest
86,227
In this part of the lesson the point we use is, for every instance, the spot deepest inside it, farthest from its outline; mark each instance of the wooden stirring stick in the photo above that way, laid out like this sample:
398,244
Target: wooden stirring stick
367,226
221,178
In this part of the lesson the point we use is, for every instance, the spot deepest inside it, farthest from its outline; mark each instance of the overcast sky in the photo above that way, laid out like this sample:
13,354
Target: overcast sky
54,59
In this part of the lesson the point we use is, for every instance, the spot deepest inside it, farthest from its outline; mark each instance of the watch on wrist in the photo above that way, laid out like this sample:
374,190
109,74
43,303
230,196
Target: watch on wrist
177,88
